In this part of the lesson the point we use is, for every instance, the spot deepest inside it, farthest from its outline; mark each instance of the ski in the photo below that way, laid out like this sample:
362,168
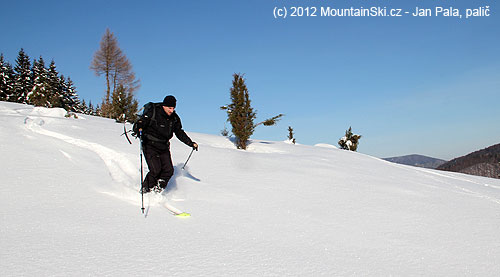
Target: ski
174,211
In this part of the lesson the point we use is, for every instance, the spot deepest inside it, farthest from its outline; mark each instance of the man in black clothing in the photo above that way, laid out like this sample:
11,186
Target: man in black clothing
156,127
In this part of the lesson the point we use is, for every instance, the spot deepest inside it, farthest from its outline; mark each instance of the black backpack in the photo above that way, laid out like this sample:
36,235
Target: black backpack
146,110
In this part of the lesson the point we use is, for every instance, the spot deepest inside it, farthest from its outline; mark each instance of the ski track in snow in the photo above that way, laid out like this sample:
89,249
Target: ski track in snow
119,166
121,170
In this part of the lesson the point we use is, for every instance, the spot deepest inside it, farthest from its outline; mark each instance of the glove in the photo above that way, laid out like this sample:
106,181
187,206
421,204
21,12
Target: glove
137,128
194,145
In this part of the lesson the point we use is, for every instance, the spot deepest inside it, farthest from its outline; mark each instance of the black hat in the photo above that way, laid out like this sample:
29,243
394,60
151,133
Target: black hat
169,101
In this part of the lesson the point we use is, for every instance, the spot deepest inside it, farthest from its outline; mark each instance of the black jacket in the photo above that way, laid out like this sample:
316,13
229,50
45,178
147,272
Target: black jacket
158,128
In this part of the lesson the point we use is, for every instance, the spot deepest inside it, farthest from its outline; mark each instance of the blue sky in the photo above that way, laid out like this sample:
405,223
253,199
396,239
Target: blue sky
425,85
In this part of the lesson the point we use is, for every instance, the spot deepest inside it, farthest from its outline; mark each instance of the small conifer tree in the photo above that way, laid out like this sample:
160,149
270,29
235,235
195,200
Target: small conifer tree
350,141
38,95
23,82
56,88
224,132
6,80
290,135
69,99
91,110
241,114
124,106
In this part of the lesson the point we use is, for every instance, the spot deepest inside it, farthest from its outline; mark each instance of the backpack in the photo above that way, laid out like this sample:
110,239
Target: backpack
146,110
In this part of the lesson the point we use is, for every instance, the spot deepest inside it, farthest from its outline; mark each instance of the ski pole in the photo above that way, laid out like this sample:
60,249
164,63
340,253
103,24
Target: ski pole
188,159
142,179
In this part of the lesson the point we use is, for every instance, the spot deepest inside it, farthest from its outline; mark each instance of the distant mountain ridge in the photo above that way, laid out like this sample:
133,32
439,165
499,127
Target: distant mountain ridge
417,160
485,162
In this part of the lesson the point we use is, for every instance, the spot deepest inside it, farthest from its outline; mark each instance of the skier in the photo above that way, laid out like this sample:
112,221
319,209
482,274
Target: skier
158,123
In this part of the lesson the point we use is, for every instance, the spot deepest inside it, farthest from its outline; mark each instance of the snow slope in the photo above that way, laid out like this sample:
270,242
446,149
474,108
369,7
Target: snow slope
69,205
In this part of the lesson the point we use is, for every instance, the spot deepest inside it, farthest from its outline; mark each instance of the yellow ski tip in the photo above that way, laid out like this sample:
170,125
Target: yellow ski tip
183,215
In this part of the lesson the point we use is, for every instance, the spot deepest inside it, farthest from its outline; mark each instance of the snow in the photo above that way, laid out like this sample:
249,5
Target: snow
69,205
326,145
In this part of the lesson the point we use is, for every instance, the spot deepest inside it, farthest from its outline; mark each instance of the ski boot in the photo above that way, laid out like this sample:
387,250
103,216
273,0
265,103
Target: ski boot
160,186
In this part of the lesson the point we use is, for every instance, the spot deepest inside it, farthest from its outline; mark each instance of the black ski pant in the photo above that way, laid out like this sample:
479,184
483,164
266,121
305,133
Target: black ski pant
160,166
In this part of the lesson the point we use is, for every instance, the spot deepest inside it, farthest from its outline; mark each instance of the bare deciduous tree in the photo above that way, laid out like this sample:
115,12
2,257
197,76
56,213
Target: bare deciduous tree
110,60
